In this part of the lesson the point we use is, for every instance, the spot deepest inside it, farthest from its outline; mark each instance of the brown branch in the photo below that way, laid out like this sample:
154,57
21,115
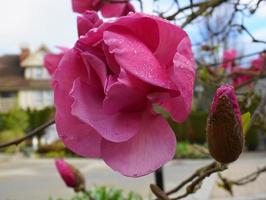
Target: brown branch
196,184
202,9
195,181
249,178
227,184
172,17
244,28
32,133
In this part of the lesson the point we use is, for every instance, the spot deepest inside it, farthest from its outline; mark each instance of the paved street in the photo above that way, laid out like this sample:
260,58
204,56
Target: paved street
37,179
245,165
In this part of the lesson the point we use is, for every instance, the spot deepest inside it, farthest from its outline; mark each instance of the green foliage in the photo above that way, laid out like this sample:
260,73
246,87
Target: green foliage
9,135
55,150
245,122
105,193
193,130
249,102
186,150
12,126
16,120
39,117
2,122
252,139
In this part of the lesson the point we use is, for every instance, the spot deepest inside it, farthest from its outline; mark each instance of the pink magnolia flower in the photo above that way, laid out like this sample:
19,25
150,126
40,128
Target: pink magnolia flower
228,59
224,128
105,88
258,63
52,60
108,8
87,21
71,176
256,68
240,79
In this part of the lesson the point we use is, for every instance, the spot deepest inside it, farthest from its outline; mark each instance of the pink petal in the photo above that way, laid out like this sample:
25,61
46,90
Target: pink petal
229,91
127,94
76,135
81,6
116,9
183,75
228,58
178,101
132,55
51,61
66,173
152,147
110,59
113,9
97,64
142,26
70,68
169,38
87,21
129,8
257,64
87,107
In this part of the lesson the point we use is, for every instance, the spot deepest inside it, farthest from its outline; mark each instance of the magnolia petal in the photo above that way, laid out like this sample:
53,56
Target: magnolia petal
183,75
81,6
116,9
98,65
87,107
132,55
51,62
70,67
76,135
87,21
152,147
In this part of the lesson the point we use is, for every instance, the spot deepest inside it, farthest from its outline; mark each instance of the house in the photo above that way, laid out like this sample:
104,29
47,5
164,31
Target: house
24,81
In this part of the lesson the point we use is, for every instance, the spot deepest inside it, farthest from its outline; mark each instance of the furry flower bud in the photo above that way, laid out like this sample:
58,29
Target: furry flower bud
224,127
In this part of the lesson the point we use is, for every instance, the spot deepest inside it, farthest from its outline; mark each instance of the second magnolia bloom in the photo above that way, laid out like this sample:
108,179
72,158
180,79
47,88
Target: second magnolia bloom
224,128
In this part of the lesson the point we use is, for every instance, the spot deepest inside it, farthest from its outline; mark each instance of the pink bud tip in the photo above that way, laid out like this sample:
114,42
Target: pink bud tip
66,172
228,91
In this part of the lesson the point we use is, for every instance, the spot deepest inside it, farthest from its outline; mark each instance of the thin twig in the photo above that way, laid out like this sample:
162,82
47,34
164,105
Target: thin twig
195,181
195,185
227,184
32,133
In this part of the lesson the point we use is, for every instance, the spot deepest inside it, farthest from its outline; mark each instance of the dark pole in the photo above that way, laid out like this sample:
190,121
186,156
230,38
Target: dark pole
159,178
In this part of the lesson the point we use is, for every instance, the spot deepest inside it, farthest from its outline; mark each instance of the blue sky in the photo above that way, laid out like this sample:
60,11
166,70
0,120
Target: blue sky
52,22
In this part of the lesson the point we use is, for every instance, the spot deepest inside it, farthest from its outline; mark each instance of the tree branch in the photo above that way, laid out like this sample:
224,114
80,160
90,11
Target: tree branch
31,134
195,181
227,184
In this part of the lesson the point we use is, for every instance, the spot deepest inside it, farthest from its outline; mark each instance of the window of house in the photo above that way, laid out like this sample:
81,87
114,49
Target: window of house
38,97
38,73
7,94
48,97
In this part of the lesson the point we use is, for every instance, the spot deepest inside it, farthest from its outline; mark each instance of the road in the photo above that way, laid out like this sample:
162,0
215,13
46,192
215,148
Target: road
37,179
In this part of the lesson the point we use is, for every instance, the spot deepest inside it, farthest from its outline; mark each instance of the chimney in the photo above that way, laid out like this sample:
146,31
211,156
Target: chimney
25,52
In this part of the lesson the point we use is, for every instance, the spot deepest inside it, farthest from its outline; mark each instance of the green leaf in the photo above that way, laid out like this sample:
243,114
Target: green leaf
245,121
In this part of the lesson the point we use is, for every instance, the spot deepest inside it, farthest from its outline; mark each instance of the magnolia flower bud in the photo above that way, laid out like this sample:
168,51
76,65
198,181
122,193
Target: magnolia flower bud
224,128
71,176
